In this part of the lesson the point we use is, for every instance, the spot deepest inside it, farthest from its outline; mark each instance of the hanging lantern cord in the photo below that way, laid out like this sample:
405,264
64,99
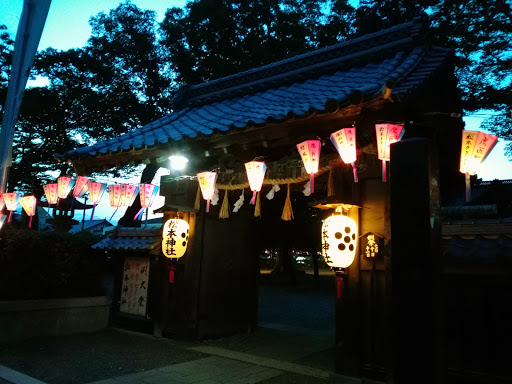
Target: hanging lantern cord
30,222
93,209
138,213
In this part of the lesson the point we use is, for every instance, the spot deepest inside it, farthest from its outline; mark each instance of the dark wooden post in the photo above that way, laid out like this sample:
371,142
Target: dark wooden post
415,236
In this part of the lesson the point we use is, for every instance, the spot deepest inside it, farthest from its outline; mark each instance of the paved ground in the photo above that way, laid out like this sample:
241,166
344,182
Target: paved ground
294,345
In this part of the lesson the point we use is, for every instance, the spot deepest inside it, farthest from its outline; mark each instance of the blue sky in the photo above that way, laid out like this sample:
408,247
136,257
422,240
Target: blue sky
67,26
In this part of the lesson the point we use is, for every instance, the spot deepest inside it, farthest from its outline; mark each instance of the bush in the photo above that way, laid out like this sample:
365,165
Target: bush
37,265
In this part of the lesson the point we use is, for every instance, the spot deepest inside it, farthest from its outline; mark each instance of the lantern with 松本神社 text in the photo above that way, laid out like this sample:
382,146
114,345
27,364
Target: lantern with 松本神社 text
345,142
476,146
175,238
255,173
207,184
339,241
387,134
29,204
310,153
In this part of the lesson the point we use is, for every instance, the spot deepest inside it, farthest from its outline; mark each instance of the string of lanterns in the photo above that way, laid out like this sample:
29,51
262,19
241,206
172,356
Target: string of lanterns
120,195
475,148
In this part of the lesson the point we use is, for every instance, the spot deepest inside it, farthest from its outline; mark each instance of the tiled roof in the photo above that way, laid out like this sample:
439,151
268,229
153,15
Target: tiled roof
317,82
130,239
88,224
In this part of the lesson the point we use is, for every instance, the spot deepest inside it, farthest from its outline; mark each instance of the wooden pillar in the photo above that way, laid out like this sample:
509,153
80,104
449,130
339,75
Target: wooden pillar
415,258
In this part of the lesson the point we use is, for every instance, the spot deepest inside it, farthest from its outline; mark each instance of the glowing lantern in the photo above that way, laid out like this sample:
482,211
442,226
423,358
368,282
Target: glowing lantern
114,192
339,240
80,186
11,203
95,192
175,238
29,204
345,142
64,186
387,134
147,193
476,146
255,173
128,192
207,184
310,153
51,192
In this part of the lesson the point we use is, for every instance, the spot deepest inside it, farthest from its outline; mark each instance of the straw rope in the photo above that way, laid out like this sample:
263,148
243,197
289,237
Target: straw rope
290,180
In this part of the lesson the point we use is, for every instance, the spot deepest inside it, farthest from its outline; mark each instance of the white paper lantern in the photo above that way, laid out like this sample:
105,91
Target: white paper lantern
175,238
339,241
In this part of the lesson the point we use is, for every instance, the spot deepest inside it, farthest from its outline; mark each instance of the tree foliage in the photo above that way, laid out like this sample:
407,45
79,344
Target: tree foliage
209,39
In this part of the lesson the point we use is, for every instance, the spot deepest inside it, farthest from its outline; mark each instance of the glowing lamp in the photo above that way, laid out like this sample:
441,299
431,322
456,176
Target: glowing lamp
255,173
80,186
114,192
387,134
2,203
95,192
207,184
147,193
51,191
11,203
64,186
310,153
29,204
128,193
476,146
339,240
345,142
175,238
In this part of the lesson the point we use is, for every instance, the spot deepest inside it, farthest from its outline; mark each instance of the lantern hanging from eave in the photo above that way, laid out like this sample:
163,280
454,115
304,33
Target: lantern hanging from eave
476,146
11,203
207,184
80,186
175,238
339,240
310,153
64,186
387,134
95,192
345,142
29,204
128,193
255,173
147,193
114,193
51,191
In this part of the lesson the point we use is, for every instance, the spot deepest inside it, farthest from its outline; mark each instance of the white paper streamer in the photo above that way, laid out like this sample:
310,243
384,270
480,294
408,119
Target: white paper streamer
273,190
307,188
215,198
239,202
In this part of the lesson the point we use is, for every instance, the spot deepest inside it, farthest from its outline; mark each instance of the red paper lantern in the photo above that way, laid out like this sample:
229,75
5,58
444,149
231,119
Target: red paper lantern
128,193
80,186
207,184
51,192
310,153
387,134
255,173
11,203
147,193
29,204
64,186
345,142
95,192
476,146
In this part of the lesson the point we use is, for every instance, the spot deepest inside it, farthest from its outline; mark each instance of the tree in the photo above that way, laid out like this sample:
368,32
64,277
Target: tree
6,49
209,39
479,31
